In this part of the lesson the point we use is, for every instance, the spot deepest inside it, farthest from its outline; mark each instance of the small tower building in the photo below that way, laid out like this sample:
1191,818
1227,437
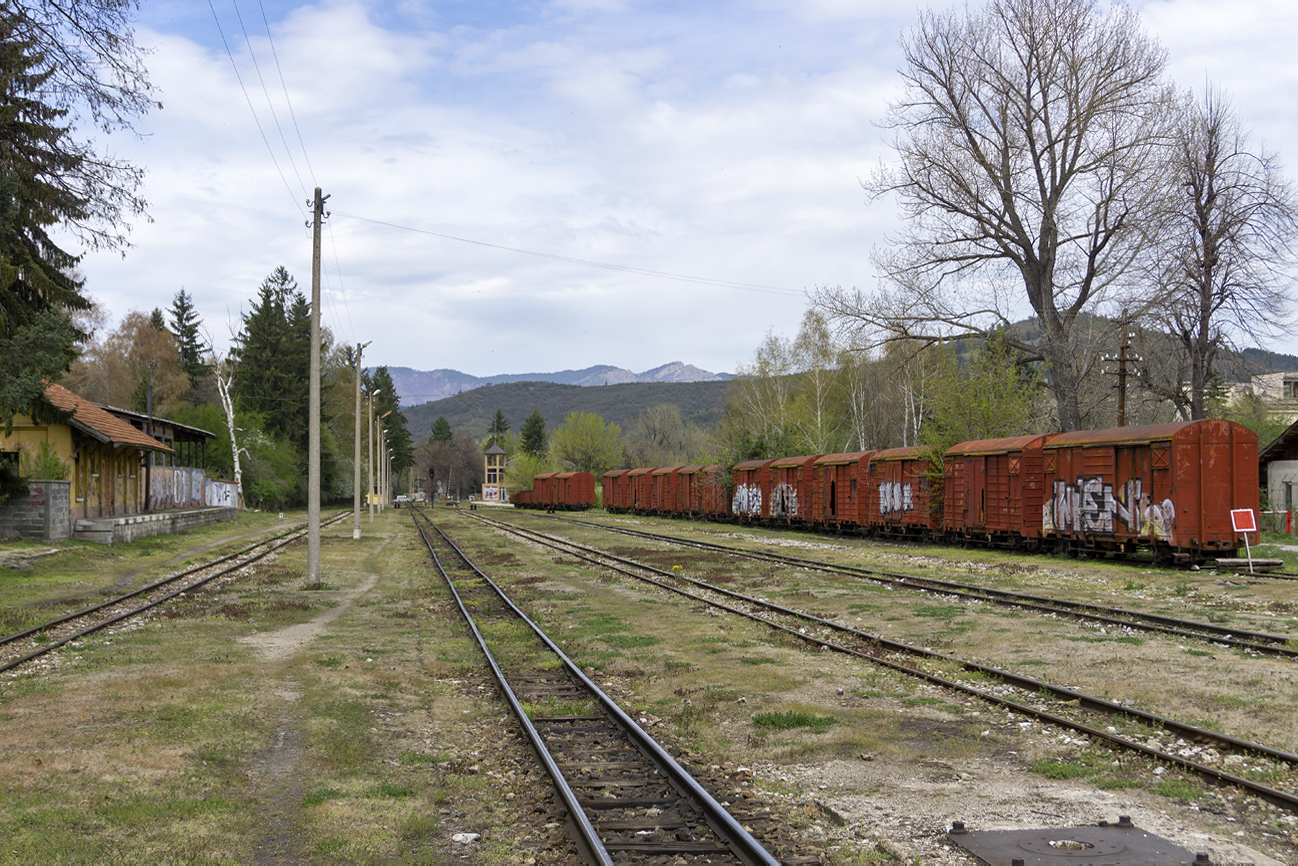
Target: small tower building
493,488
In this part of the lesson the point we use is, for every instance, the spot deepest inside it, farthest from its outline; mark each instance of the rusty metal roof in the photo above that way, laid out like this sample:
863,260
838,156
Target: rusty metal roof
786,462
99,424
911,453
842,459
1127,435
996,446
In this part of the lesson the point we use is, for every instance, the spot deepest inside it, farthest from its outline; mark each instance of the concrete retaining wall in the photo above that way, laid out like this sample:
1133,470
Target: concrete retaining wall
107,530
45,515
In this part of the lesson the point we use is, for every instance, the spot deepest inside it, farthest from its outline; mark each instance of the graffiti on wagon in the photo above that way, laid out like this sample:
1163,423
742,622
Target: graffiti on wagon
1092,506
747,501
895,497
784,501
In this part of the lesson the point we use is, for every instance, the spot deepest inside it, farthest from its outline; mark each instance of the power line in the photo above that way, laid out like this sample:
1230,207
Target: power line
284,86
269,104
255,119
753,287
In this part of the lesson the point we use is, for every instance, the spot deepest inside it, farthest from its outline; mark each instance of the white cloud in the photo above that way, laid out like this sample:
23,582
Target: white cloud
718,141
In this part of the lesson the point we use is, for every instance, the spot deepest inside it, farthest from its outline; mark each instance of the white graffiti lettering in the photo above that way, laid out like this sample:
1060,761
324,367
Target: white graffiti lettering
895,497
1089,506
784,501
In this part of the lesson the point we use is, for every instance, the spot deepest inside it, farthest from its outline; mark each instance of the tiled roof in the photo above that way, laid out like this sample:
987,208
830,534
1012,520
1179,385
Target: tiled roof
104,426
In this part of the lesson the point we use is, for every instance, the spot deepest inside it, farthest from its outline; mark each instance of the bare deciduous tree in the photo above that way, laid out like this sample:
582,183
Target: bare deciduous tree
1031,136
1221,253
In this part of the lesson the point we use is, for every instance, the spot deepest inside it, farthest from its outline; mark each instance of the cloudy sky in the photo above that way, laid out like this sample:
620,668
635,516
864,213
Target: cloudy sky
534,186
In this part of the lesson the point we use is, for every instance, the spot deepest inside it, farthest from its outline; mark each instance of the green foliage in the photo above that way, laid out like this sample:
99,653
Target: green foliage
394,424
788,721
272,354
587,444
523,467
1250,411
218,458
37,155
442,430
43,463
701,403
533,435
186,327
37,350
497,429
992,398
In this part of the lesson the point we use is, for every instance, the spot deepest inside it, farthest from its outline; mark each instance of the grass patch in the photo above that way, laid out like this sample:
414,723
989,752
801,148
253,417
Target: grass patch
1178,789
1062,769
320,795
789,721
757,660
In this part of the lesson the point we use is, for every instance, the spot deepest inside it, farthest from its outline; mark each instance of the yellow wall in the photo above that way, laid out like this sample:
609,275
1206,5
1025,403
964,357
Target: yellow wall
106,481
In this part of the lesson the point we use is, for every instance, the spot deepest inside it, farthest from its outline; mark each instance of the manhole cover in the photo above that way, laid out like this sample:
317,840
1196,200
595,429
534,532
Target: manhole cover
1122,844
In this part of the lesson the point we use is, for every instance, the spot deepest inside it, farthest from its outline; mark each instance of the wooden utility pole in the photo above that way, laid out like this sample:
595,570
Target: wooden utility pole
1122,374
313,423
356,459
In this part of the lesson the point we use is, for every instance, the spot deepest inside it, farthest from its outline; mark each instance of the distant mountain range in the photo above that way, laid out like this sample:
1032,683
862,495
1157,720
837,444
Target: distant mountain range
416,387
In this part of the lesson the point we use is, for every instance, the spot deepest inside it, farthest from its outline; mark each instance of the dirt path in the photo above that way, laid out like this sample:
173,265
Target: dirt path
274,775
273,646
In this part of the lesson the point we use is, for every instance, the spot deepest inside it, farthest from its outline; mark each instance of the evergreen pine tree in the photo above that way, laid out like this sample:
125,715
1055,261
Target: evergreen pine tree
36,291
533,434
497,430
442,430
273,354
185,327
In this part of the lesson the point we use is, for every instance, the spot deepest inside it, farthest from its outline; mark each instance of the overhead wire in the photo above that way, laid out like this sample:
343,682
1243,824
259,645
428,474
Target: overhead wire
328,296
251,109
288,101
252,54
284,86
732,284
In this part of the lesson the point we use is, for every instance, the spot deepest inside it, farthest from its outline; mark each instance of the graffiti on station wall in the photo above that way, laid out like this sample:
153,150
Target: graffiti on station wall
784,501
221,494
748,500
1091,506
895,497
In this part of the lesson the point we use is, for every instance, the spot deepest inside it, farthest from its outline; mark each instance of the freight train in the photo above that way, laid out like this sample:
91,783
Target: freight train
1168,489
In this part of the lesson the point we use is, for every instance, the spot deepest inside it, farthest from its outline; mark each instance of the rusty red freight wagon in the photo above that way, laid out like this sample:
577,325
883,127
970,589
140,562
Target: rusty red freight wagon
638,484
839,488
994,490
900,498
615,490
710,492
685,503
662,489
574,491
542,490
752,490
1169,487
792,489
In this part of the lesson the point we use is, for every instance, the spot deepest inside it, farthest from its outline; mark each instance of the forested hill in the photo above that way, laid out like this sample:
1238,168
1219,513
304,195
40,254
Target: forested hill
702,403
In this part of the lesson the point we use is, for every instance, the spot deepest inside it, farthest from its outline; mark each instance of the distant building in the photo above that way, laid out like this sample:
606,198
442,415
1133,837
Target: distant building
114,474
1279,394
493,488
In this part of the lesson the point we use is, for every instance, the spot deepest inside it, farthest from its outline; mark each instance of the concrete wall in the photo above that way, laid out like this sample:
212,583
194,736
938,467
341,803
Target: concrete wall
45,515
109,530
1278,474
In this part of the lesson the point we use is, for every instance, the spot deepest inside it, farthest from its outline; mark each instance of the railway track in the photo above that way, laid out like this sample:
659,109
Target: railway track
628,801
30,644
1271,774
1262,643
